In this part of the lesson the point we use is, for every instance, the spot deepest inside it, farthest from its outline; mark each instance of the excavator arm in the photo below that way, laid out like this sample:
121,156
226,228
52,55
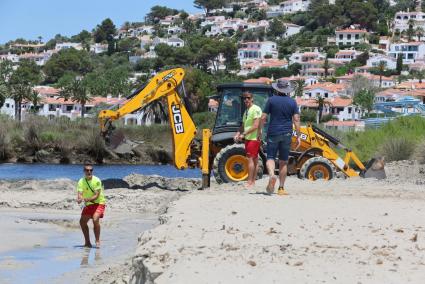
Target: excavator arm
164,86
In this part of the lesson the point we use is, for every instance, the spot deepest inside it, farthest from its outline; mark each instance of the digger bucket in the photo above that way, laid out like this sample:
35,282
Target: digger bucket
374,169
115,138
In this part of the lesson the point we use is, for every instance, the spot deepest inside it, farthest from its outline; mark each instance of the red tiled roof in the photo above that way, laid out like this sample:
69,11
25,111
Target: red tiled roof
262,80
335,102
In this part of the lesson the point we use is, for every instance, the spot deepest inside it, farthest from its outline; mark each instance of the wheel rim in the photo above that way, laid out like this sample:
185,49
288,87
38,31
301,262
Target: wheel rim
319,172
237,167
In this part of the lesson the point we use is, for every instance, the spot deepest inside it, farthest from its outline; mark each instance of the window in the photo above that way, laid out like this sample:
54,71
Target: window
326,95
357,36
341,37
7,105
348,36
349,110
69,108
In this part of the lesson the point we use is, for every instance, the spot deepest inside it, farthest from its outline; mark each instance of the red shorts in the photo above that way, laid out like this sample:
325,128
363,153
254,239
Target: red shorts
89,210
252,147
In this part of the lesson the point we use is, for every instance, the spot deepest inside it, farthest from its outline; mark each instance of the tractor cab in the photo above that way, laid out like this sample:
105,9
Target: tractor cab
228,159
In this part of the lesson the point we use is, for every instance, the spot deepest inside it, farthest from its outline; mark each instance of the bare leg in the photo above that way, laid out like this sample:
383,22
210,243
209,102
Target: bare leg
283,168
270,164
85,229
96,228
251,169
254,173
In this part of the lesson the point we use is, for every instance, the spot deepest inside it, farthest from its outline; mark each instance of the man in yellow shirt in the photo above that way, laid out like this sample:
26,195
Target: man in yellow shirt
249,133
90,192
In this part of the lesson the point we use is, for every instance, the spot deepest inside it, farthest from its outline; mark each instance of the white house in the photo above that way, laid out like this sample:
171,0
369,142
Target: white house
39,58
287,7
175,42
325,90
340,108
350,36
291,29
374,61
11,57
98,48
346,55
402,20
8,107
410,51
66,45
299,57
376,80
257,50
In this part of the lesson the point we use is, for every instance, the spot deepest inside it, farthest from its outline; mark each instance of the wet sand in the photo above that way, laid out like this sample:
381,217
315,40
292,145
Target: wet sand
44,246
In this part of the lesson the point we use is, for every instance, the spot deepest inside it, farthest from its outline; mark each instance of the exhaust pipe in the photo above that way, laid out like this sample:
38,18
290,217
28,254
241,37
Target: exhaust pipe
374,169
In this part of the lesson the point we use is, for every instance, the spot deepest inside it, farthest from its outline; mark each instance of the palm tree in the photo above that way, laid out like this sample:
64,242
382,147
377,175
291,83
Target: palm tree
420,33
410,31
326,66
35,99
299,87
321,102
420,75
77,91
381,68
80,94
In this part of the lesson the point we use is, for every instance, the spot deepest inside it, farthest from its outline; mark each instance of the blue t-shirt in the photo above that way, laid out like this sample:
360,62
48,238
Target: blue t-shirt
281,109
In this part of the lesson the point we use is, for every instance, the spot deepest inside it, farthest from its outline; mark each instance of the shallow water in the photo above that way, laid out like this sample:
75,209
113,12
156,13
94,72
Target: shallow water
74,172
62,258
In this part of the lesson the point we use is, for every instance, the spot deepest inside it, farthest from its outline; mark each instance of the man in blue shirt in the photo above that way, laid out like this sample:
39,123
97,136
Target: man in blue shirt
283,111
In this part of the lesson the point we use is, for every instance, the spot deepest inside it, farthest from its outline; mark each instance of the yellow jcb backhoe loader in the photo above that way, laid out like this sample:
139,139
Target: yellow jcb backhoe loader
217,153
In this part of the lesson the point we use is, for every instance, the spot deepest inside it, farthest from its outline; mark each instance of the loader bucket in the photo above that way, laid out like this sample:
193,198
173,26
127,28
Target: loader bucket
374,169
114,139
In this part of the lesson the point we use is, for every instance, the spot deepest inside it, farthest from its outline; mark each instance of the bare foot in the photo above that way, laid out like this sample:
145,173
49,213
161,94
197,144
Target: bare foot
249,185
271,184
98,244
87,245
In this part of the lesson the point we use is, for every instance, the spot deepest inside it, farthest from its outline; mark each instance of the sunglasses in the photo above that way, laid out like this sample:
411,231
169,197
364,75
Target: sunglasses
246,98
88,170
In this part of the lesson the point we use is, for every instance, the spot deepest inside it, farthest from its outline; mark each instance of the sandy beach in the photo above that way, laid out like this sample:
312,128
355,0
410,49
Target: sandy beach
342,231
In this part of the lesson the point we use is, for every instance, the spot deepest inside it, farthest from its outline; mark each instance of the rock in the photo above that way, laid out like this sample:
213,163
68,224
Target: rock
42,156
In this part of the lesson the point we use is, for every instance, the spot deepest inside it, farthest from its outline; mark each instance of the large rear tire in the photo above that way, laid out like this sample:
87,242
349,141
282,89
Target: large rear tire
231,164
317,168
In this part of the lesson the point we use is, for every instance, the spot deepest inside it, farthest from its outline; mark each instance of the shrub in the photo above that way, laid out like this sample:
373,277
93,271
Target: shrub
49,137
5,151
32,139
204,120
419,153
308,115
95,145
397,148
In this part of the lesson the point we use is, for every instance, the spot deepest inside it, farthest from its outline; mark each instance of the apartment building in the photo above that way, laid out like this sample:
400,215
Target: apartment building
257,50
350,36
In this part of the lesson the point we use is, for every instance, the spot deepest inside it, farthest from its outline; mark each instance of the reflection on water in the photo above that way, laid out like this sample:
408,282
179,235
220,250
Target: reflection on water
91,256
64,254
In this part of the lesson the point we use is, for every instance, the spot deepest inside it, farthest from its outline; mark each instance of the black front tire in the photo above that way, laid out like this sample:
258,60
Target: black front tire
231,165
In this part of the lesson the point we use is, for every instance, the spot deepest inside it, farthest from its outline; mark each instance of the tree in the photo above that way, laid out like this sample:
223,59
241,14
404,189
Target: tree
276,28
159,12
420,33
399,66
35,99
67,60
22,82
6,71
208,5
364,99
382,65
321,103
299,87
105,31
84,37
326,66
76,90
198,89
410,31
230,53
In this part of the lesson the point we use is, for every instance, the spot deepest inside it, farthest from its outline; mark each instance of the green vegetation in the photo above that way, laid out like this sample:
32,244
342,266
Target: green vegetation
396,140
